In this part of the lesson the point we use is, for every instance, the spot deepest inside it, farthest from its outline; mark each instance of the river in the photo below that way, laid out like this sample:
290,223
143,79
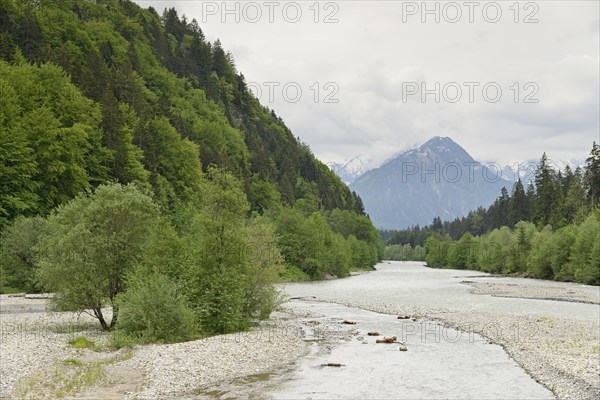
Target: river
441,363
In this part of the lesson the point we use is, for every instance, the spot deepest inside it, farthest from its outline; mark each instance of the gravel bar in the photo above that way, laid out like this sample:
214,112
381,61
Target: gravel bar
30,348
557,293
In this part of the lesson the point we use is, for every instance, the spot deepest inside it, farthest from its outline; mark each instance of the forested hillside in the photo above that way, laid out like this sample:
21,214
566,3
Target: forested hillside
109,110
121,83
550,230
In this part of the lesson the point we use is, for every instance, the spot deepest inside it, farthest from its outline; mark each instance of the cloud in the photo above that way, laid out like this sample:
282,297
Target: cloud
371,54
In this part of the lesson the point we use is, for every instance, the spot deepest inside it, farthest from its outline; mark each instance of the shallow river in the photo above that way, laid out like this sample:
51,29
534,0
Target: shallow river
441,363
412,284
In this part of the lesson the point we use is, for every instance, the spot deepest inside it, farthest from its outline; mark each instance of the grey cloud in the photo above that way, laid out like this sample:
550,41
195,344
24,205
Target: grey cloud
370,53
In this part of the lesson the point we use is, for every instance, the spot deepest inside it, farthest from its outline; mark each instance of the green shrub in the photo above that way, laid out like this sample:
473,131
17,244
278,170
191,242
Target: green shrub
152,310
19,254
292,273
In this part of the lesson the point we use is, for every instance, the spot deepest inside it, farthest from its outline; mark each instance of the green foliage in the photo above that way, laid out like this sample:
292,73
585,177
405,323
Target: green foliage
154,310
584,257
19,253
230,265
292,273
400,252
570,253
154,87
138,67
436,251
461,254
50,135
540,260
592,175
524,233
265,267
142,142
92,243
176,170
327,243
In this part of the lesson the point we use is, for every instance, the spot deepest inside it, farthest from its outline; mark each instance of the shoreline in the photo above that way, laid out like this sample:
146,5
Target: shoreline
485,274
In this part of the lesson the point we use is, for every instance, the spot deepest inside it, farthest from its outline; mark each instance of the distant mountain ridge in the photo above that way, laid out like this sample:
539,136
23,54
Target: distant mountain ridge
525,170
438,178
349,170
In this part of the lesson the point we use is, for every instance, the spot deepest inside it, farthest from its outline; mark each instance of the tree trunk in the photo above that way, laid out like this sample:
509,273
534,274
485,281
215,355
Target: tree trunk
98,314
115,315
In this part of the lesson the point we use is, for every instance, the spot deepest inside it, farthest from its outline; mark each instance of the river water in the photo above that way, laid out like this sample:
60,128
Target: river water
412,284
440,363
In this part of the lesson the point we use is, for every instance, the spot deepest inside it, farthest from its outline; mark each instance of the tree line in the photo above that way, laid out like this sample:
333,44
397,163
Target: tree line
139,173
549,230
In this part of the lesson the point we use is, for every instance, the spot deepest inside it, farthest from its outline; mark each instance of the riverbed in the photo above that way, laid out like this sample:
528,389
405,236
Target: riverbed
466,335
504,347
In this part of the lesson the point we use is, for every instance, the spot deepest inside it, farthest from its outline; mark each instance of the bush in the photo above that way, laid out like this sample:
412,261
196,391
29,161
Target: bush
19,254
265,264
91,245
153,310
291,273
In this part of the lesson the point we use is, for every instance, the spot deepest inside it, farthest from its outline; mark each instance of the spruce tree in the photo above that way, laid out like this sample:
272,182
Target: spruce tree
592,175
545,190
519,207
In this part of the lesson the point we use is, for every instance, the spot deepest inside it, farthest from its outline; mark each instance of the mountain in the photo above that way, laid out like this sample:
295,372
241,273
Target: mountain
526,169
349,170
437,179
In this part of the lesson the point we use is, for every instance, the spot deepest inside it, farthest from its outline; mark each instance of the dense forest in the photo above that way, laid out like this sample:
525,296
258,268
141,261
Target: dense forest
550,229
137,168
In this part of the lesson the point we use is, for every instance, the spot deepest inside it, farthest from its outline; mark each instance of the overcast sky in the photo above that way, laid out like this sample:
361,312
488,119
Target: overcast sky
379,55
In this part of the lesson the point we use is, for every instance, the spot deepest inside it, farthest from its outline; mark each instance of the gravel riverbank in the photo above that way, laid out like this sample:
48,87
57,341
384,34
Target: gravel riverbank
36,360
190,369
574,293
561,353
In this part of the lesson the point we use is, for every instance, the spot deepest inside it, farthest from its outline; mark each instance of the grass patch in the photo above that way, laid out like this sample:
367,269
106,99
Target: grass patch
82,343
67,378
293,274
64,380
10,290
